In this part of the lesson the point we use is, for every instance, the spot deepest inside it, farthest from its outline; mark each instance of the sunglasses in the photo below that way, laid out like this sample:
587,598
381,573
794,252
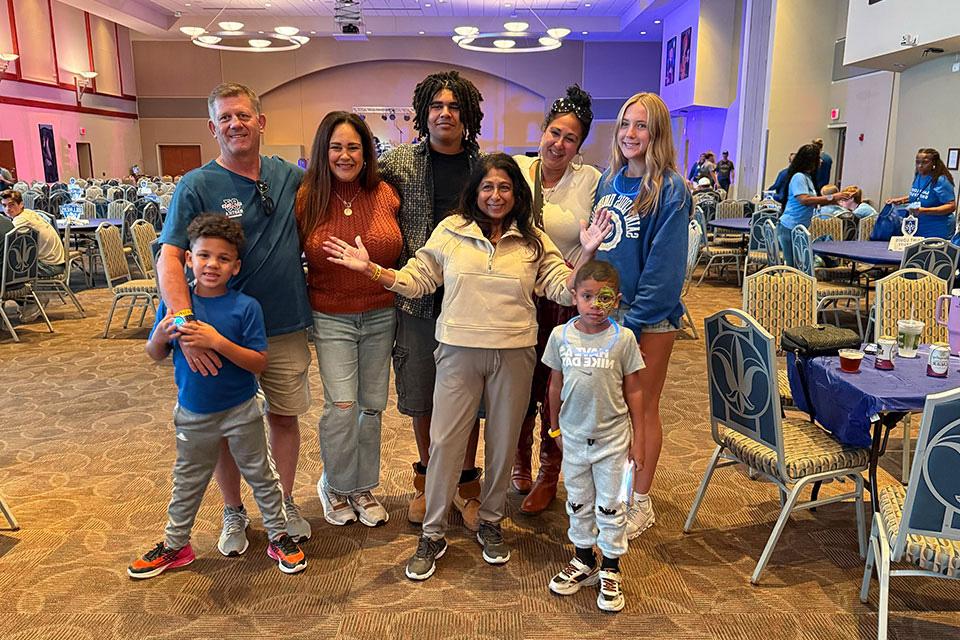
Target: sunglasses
265,200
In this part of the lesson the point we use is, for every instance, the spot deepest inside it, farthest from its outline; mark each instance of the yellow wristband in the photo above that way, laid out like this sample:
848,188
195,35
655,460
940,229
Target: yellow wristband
183,312
554,433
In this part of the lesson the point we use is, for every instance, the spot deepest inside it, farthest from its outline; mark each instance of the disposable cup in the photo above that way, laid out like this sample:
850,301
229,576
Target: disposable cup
908,337
850,360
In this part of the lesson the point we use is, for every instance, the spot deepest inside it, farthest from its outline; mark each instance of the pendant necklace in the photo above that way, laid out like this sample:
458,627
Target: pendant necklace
347,204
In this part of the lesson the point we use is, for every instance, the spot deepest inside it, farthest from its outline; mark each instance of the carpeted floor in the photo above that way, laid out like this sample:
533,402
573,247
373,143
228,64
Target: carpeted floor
86,450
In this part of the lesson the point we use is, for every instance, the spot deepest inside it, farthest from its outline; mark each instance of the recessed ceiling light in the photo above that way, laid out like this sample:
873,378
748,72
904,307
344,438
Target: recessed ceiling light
587,4
643,33
427,5
369,33
583,33
268,5
657,21
187,4
260,32
313,33
420,32
507,4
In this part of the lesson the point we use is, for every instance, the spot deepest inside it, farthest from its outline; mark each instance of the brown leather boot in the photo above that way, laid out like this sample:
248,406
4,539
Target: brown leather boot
544,490
418,505
467,502
520,478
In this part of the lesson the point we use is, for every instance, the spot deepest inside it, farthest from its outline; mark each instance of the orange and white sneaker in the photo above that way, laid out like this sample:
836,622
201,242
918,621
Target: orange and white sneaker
159,559
288,554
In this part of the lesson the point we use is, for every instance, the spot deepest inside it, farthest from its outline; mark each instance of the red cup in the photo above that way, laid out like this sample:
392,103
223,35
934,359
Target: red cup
850,360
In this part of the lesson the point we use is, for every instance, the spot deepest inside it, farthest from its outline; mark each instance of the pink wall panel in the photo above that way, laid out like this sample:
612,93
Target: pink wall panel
125,53
6,35
103,39
33,25
70,30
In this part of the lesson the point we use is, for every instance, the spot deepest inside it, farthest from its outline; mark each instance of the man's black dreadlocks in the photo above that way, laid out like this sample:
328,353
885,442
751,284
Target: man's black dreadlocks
463,90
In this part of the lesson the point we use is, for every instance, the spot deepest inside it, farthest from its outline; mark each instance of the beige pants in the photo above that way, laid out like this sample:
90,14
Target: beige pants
464,376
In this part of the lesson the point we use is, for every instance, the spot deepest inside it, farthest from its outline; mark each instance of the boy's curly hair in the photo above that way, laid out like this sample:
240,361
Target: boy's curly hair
215,225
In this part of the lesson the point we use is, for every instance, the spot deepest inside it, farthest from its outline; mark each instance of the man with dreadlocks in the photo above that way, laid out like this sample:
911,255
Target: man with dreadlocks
429,176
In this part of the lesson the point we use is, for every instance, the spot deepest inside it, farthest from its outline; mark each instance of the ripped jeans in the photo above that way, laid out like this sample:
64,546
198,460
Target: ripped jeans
353,352
592,473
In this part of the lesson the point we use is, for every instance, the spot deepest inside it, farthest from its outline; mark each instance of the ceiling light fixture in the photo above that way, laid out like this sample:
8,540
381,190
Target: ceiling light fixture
5,60
657,21
516,37
233,37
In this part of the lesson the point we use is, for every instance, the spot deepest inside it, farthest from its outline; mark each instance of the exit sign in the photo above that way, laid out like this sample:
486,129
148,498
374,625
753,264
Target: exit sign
83,131
835,114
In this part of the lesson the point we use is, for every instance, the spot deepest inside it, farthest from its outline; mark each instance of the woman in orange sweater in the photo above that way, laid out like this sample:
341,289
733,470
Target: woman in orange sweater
353,317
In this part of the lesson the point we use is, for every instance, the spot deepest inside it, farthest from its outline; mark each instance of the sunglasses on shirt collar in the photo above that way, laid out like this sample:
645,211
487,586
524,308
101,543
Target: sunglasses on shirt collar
265,200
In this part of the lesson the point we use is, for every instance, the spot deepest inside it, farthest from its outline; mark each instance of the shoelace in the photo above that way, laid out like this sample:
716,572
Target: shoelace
365,499
609,585
233,521
570,570
156,552
424,547
286,545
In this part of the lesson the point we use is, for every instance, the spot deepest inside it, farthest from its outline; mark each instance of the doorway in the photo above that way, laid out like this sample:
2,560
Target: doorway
85,160
7,158
177,159
838,155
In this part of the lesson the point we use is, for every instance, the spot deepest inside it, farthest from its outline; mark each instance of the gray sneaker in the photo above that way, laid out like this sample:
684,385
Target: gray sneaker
297,526
424,562
368,509
233,537
336,508
495,550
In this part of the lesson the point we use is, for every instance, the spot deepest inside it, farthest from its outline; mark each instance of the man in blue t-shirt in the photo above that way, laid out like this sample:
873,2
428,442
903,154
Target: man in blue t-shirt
260,193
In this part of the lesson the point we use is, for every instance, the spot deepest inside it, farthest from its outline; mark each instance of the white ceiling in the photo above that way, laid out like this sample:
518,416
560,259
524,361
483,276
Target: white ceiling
602,19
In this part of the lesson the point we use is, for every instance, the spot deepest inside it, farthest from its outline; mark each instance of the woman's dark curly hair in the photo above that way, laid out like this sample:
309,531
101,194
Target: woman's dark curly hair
467,95
521,213
577,101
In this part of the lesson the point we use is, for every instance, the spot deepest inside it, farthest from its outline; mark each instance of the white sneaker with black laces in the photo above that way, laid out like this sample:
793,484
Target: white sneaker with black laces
640,517
336,508
368,509
610,597
573,576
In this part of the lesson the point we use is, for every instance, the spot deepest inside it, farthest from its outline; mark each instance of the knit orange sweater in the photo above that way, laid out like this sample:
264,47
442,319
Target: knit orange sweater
334,288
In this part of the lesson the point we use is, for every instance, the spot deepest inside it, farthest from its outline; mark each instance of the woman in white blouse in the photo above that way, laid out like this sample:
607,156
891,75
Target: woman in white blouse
563,188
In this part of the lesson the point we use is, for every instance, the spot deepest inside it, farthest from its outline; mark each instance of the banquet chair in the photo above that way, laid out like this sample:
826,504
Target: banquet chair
770,243
729,209
717,253
21,187
19,273
920,525
903,294
117,208
778,298
934,255
142,292
757,242
747,426
92,193
76,254
865,227
30,198
60,284
694,239
827,292
144,235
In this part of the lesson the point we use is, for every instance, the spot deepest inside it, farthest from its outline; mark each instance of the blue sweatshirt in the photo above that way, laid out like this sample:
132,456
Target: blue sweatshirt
650,251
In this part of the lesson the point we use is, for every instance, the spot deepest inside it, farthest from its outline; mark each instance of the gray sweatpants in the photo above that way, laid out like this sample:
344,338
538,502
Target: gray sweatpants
592,474
464,376
198,448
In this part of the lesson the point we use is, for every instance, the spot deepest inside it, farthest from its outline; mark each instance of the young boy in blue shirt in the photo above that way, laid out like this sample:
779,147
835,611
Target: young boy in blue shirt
595,397
211,408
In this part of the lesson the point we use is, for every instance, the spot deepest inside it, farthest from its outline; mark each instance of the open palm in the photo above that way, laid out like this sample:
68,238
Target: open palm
341,252
592,237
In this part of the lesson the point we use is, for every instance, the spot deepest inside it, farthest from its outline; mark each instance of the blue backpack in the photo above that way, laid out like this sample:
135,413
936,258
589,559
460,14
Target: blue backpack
888,223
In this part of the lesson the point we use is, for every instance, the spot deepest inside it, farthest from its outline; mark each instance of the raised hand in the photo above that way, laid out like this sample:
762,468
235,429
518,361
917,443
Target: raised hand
592,237
353,258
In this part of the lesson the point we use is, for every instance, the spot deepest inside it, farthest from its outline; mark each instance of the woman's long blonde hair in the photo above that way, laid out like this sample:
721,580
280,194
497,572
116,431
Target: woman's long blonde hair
660,156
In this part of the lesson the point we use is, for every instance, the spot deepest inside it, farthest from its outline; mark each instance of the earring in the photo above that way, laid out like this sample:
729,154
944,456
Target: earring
577,164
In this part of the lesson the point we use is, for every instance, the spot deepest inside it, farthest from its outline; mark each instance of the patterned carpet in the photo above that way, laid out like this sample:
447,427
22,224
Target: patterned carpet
85,455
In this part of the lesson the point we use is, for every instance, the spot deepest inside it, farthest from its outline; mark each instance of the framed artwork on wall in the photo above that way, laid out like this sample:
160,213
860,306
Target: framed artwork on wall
671,62
48,151
685,41
953,159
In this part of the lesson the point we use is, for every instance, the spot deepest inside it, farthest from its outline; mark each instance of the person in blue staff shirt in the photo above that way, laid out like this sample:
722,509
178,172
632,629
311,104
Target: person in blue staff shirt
934,190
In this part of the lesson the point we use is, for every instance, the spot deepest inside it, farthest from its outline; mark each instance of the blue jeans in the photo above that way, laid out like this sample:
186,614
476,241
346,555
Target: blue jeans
353,351
784,237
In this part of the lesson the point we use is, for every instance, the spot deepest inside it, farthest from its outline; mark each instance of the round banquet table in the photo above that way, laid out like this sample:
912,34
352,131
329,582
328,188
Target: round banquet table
731,224
868,251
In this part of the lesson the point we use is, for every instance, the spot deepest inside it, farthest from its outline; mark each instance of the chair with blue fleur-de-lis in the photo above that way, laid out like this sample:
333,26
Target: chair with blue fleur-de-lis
748,428
19,274
933,255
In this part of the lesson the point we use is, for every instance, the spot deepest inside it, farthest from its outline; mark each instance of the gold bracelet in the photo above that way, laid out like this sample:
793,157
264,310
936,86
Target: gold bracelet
554,433
377,272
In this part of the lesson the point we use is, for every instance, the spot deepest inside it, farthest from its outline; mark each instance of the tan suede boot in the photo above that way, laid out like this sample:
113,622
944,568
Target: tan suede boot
418,505
467,502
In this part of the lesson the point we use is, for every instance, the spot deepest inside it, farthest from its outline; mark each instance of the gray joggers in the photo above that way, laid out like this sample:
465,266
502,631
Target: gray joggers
198,448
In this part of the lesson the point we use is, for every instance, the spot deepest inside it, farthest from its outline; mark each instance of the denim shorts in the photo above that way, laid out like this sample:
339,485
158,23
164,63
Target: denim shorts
415,370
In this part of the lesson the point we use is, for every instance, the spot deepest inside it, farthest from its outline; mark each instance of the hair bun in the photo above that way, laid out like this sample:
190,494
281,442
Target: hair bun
578,96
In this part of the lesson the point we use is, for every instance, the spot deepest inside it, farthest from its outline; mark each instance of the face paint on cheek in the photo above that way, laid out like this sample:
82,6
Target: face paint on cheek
606,300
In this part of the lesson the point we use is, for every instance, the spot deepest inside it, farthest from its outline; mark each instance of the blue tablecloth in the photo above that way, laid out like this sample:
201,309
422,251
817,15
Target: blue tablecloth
871,252
845,402
731,224
89,225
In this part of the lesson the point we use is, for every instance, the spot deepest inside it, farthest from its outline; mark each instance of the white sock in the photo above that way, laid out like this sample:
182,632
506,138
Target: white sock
641,497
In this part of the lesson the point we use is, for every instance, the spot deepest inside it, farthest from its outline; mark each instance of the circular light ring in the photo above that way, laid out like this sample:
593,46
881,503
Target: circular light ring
483,42
216,41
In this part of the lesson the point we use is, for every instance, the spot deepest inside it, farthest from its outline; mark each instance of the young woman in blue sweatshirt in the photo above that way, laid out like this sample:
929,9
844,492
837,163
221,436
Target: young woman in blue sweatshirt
650,209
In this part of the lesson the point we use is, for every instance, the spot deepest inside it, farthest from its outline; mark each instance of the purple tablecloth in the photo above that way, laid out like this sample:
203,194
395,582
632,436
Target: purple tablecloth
731,224
845,402
867,251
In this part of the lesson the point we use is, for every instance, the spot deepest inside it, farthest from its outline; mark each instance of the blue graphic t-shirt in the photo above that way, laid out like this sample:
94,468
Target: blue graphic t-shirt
239,319
649,251
930,193
270,268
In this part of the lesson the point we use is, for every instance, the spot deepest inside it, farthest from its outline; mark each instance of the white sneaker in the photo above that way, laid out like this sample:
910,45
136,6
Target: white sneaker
573,576
336,508
233,537
640,517
368,509
610,597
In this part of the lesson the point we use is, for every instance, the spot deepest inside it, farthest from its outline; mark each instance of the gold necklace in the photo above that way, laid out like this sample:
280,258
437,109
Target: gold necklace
348,204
